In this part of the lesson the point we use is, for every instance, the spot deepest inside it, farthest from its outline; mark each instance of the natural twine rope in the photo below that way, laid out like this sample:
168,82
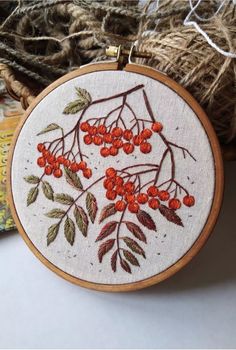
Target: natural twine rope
42,40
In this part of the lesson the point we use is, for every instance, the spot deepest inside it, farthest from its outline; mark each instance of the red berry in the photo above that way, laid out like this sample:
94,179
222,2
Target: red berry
157,127
119,181
74,167
51,159
133,207
111,172
84,126
111,195
41,147
48,170
87,173
82,165
113,151
154,203
46,153
128,135
97,140
142,198
41,162
92,130
129,187
163,195
104,151
120,205
120,190
146,133
128,148
56,165
88,139
108,184
130,198
145,147
174,204
117,143
60,159
152,191
107,138
57,173
102,129
189,201
117,132
67,163
137,140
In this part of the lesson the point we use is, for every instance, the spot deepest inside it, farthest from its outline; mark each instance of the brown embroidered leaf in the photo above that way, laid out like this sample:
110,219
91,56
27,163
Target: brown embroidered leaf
63,198
104,248
69,230
73,179
130,257
136,230
114,261
107,230
170,215
107,211
91,205
145,219
31,179
50,127
81,220
83,100
55,213
134,246
125,266
47,190
32,195
52,233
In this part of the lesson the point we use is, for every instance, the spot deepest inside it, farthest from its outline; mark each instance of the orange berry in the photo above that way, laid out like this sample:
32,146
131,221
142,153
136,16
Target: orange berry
145,147
108,184
104,151
113,151
88,139
60,159
97,140
146,133
189,201
152,191
41,162
117,132
51,159
129,187
56,165
117,143
67,163
111,195
107,138
119,181
130,198
102,129
74,167
128,148
120,205
120,190
164,195
87,173
154,203
111,172
92,130
48,170
128,135
82,165
142,198
174,203
57,173
84,126
133,207
157,127
46,153
137,140
41,147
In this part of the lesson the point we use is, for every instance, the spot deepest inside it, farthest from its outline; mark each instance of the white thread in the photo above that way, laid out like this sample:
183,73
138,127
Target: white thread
188,22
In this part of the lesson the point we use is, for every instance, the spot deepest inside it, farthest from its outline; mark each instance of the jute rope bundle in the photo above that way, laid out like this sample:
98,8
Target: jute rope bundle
42,40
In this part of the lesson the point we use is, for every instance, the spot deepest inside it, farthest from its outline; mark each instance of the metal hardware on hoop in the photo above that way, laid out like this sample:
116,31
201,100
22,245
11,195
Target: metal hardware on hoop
124,55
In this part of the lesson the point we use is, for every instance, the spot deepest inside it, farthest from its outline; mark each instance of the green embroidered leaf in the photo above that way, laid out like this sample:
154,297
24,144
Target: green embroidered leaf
52,233
130,257
91,205
50,127
63,198
83,94
47,190
32,195
55,213
134,246
83,100
69,230
107,211
31,179
73,179
81,220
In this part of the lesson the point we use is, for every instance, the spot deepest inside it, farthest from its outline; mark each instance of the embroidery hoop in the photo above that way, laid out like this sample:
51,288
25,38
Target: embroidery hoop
219,180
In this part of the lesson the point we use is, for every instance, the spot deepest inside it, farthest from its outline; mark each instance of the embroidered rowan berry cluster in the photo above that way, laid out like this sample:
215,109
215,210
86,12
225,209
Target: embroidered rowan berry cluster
52,164
132,199
117,139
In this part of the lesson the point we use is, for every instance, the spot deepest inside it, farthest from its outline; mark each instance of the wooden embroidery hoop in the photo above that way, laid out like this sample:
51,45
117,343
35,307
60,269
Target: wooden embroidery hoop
219,177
